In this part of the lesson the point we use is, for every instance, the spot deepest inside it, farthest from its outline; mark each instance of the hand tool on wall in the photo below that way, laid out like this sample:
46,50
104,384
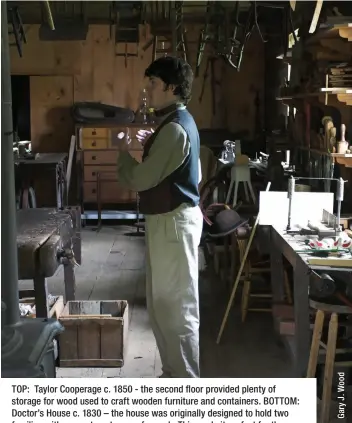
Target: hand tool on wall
234,57
203,37
213,83
69,164
205,77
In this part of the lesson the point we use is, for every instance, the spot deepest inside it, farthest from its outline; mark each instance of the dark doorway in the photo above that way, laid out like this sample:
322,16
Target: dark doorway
21,111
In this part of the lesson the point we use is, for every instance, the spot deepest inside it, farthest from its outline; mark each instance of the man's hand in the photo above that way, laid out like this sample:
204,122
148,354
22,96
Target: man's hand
143,135
125,140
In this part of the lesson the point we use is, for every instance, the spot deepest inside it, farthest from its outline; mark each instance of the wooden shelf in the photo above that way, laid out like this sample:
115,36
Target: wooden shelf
343,159
324,36
343,30
342,95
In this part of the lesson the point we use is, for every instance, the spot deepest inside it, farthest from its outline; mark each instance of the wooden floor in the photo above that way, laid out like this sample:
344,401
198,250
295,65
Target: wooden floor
113,268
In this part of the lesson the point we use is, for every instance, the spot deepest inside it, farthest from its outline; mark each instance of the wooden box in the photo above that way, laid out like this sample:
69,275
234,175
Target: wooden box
95,334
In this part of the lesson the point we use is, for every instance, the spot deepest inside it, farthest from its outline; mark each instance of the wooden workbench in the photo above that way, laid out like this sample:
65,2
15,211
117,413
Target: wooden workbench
285,245
42,235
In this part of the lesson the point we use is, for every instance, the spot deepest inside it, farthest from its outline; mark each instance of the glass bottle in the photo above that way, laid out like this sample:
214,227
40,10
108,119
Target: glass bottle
143,110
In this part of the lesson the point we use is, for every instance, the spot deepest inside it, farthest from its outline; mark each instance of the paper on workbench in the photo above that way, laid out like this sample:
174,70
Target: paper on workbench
273,207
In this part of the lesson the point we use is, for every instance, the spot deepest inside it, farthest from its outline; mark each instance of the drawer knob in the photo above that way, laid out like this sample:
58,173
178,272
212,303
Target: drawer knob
94,143
94,157
93,173
94,191
94,132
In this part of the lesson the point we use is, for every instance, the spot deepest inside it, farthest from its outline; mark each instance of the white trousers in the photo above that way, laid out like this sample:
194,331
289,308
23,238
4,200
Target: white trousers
172,288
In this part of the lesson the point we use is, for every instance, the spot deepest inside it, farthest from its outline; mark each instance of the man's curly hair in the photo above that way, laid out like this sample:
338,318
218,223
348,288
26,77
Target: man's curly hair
173,71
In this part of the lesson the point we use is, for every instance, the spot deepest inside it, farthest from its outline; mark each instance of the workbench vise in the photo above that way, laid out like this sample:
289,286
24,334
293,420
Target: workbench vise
28,348
66,255
321,285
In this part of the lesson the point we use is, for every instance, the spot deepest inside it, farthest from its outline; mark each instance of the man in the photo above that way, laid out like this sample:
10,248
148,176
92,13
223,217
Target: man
167,181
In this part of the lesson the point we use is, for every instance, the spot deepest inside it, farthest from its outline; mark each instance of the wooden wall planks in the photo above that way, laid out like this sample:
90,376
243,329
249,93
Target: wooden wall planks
90,71
51,122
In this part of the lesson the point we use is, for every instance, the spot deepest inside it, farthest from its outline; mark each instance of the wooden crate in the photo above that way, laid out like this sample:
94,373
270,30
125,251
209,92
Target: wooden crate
95,334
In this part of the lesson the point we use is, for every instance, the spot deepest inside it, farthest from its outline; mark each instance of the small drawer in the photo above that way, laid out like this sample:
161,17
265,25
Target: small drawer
110,192
107,173
94,133
94,143
108,157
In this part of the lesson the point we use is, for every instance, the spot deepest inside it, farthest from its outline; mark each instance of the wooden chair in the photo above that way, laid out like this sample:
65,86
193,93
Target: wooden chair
334,311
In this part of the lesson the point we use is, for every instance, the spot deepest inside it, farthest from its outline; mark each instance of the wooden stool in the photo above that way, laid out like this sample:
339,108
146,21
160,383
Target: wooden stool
251,268
330,347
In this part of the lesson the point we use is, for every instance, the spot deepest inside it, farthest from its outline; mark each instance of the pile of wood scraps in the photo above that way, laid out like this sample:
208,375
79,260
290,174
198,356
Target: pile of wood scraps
332,49
327,74
340,75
